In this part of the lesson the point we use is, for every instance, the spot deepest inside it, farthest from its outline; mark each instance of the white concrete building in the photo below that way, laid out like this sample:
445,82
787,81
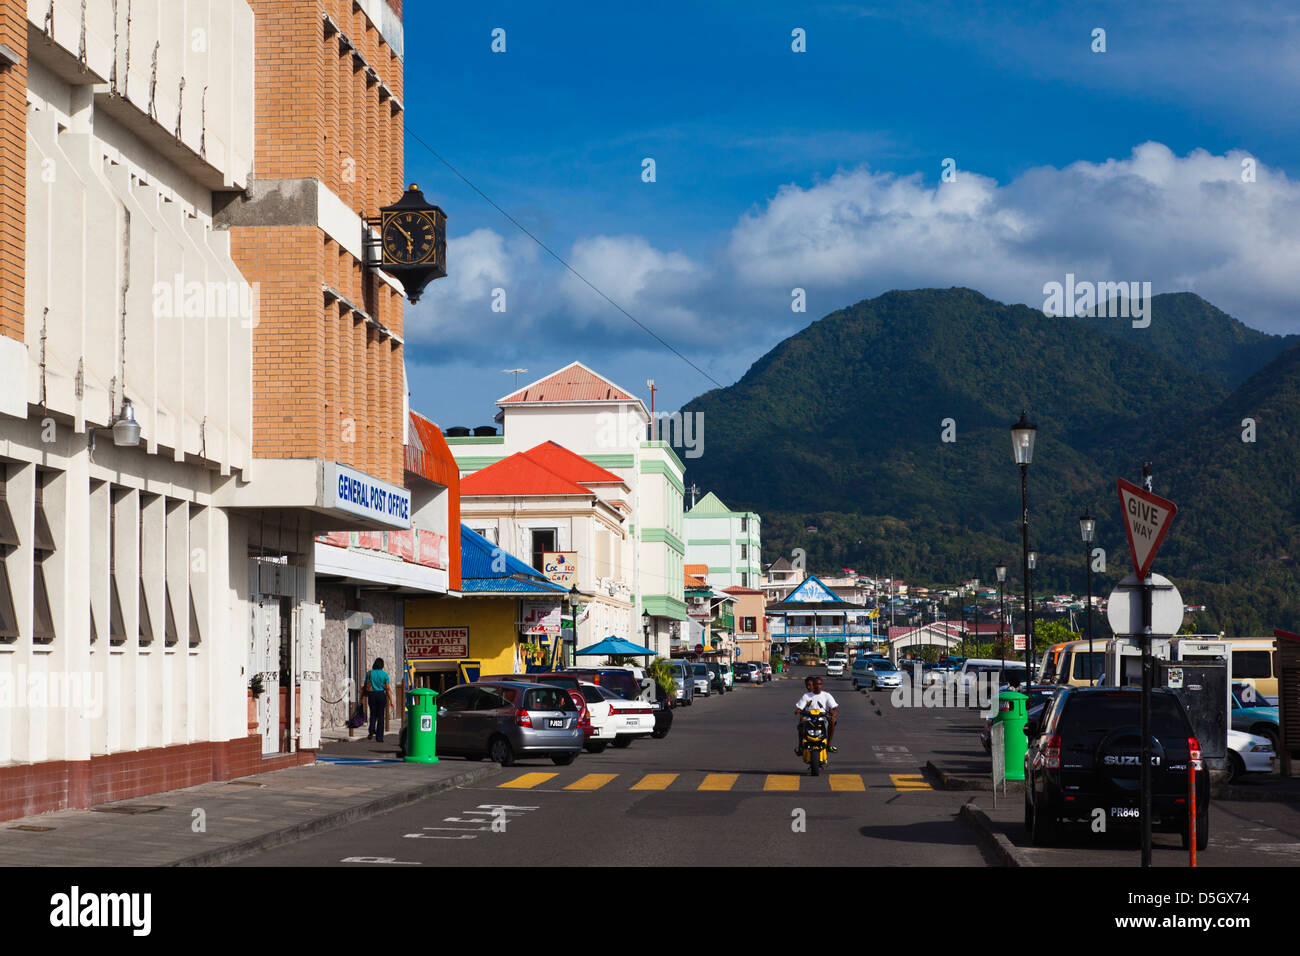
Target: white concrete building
728,542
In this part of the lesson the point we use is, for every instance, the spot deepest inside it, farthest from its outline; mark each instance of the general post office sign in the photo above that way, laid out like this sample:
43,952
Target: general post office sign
360,494
444,642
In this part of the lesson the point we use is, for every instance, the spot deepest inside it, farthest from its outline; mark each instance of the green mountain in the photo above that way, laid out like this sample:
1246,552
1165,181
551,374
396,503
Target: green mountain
1192,332
848,418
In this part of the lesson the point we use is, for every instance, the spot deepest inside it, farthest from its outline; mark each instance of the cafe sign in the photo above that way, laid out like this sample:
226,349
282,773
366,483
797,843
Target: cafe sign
561,567
437,642
541,619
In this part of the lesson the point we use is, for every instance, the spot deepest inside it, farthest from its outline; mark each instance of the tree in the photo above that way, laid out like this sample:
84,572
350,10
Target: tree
1047,633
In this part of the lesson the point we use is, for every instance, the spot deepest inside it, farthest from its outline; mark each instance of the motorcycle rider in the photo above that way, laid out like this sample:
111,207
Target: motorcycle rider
814,696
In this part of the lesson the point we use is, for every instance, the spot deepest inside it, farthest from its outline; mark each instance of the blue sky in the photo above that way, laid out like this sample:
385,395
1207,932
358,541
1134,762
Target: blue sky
821,170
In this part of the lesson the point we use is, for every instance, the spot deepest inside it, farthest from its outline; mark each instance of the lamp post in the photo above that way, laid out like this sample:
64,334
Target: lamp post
1087,527
1001,572
645,628
570,599
1029,635
1023,435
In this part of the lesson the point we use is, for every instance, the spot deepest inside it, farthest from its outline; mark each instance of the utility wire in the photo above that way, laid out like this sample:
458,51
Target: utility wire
557,257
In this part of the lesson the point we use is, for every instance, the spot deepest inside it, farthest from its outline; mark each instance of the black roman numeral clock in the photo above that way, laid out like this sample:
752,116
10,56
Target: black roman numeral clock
412,243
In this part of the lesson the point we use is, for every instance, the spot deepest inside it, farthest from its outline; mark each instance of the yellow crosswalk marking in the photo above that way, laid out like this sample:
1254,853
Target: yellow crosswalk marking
909,781
719,781
846,781
526,782
655,781
781,781
592,781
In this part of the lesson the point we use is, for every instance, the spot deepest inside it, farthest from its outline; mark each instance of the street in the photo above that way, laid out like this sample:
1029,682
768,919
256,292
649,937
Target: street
724,787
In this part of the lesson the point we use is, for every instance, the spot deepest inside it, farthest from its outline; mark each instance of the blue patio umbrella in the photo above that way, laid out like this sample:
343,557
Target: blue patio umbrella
614,645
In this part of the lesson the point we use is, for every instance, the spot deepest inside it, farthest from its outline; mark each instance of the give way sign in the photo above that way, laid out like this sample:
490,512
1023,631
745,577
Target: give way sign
1146,520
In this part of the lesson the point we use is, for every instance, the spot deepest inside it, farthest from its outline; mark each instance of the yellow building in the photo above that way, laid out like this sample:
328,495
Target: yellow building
505,606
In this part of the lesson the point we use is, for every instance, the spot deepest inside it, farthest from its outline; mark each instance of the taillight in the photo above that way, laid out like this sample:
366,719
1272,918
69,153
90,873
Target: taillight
523,718
1194,755
1051,753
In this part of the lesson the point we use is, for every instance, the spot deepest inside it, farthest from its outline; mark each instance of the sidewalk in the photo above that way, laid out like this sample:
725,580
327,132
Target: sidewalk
219,822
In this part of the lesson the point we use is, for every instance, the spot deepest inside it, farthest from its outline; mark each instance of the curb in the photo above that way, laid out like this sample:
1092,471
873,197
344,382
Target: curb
1253,794
340,818
1006,851
953,782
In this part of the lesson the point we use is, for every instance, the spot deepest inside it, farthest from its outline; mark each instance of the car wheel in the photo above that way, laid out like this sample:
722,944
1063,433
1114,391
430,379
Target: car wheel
1236,766
500,751
1269,733
595,746
622,740
563,760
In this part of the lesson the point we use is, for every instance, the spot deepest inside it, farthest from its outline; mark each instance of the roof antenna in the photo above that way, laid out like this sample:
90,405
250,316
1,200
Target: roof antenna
516,372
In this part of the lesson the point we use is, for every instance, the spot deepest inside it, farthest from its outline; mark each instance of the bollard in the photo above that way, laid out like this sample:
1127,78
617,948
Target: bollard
1193,764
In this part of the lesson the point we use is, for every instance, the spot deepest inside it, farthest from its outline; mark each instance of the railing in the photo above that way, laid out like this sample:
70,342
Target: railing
834,631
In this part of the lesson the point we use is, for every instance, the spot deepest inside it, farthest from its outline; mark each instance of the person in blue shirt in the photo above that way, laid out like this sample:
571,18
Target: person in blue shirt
377,679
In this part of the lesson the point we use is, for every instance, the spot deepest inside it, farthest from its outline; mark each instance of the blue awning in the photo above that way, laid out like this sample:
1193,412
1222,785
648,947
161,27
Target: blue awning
614,645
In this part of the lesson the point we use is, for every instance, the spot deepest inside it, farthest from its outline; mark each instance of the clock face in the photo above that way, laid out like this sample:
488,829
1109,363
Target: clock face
410,238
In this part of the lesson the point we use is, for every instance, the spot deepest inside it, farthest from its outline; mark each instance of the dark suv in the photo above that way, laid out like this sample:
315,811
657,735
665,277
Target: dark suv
1086,754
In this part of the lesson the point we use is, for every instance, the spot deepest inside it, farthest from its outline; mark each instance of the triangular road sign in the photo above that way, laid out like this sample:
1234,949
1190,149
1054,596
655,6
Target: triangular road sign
1146,520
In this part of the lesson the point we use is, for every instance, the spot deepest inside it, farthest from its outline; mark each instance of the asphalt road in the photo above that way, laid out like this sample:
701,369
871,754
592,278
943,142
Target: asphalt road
724,787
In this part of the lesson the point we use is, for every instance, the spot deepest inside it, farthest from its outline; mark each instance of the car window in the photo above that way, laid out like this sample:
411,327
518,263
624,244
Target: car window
547,698
487,698
592,694
1252,664
700,670
510,694
1100,713
1080,669
457,698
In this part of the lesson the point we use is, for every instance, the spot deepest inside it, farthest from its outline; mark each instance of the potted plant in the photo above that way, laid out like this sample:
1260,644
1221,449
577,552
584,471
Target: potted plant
255,688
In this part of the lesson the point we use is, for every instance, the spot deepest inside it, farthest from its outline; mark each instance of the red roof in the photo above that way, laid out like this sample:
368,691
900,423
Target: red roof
519,475
428,456
571,465
694,582
698,569
737,589
573,383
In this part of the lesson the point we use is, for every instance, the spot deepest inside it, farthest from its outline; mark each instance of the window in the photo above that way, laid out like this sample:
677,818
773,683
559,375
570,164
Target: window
43,547
456,699
744,552
1252,664
548,698
487,531
749,624
8,541
744,525
543,540
116,623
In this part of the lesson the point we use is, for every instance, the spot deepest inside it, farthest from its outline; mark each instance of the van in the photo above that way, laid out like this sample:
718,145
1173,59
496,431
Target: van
1051,657
1252,663
1072,666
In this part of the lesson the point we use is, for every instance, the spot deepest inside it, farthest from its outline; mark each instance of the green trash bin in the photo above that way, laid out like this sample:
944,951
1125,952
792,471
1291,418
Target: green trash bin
421,726
1010,722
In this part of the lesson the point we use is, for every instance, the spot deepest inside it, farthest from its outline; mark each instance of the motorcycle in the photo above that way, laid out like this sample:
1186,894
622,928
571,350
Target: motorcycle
815,739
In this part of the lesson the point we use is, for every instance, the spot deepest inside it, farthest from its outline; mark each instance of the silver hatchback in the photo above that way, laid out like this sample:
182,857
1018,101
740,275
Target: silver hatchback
508,720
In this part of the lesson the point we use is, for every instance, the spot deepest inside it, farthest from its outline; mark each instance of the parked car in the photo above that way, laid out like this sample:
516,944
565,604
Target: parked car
663,707
835,667
755,672
617,721
741,671
1085,753
622,679
1248,753
685,682
879,672
702,678
767,670
862,674
716,680
507,720
1252,715
728,674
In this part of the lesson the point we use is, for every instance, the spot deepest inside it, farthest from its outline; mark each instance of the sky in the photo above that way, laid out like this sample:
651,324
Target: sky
908,145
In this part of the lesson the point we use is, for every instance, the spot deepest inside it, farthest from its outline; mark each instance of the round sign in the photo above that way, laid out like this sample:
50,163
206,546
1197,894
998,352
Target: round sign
1124,609
699,648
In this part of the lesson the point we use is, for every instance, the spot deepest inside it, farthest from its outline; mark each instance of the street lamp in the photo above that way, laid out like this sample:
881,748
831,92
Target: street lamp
1087,527
1029,589
1022,447
645,627
1001,572
571,602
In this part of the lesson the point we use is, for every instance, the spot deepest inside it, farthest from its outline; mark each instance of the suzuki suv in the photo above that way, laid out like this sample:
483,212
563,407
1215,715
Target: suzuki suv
1085,756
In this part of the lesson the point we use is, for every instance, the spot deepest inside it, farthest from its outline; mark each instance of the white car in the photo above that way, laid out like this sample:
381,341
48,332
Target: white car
615,720
835,666
1248,753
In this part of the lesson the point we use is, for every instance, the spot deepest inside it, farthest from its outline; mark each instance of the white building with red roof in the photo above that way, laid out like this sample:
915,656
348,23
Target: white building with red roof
550,500
585,413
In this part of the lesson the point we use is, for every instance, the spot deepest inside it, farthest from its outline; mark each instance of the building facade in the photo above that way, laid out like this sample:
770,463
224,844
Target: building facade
592,416
728,542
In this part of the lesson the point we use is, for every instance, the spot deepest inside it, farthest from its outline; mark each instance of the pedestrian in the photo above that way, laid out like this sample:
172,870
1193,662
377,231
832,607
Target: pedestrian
378,695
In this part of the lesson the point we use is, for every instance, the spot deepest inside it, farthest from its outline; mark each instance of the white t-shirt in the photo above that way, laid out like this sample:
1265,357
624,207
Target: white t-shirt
823,701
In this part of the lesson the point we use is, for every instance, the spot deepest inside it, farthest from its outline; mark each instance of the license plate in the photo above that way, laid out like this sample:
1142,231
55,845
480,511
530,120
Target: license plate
555,722
1125,812
633,721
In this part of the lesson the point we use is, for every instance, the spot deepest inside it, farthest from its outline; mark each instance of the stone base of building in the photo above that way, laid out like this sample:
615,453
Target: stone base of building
29,789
